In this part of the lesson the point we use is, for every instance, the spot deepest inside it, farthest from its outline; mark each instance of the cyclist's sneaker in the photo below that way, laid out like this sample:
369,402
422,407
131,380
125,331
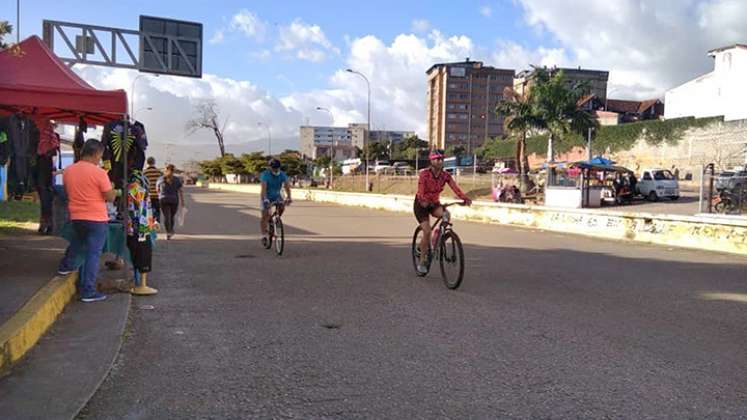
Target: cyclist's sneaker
264,241
422,269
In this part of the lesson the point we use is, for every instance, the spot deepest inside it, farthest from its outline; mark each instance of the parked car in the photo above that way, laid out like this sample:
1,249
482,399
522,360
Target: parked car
381,166
401,168
731,180
658,183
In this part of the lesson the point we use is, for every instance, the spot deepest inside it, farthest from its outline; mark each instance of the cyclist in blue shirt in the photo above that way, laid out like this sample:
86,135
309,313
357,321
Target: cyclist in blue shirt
273,180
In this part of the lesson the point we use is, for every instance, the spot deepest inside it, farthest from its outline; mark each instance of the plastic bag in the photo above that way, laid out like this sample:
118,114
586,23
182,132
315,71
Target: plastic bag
181,215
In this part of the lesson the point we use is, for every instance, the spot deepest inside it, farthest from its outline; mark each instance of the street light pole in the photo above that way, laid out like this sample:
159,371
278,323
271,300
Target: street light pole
132,93
365,139
18,21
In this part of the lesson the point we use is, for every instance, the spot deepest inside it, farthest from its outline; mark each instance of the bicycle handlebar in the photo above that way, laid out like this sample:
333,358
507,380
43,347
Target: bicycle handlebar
459,203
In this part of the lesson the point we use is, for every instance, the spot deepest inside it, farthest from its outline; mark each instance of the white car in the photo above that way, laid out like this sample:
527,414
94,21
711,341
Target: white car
381,166
658,183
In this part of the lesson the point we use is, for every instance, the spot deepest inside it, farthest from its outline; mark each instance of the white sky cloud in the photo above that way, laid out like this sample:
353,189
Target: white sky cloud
486,11
307,41
647,47
420,26
249,24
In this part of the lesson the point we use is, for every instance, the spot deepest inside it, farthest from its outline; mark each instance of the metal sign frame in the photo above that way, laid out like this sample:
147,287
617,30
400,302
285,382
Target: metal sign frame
119,52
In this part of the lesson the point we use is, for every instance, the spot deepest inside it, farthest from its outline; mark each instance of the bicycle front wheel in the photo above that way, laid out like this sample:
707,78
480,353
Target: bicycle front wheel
451,260
279,236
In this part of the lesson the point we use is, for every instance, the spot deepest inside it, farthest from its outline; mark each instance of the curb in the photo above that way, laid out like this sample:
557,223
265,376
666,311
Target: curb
21,332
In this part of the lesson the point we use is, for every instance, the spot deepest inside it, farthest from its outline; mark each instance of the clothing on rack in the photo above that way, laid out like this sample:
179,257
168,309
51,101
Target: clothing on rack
115,145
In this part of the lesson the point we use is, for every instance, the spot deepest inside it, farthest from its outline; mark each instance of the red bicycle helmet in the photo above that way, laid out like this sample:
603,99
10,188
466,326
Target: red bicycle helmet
436,154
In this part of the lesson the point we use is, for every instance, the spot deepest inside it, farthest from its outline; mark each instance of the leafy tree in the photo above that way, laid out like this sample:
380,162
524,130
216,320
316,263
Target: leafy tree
230,164
254,163
292,163
519,118
211,168
377,150
410,147
555,107
5,29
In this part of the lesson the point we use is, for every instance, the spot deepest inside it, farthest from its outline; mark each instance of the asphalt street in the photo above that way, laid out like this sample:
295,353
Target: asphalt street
545,325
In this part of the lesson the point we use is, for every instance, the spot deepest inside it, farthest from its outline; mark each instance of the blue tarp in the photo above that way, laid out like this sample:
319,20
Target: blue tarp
599,160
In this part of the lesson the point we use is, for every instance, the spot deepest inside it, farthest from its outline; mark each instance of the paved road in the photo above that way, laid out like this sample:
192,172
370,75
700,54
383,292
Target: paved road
545,325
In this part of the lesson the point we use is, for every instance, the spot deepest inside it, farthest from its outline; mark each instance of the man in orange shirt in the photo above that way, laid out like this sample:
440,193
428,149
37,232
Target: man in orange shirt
88,189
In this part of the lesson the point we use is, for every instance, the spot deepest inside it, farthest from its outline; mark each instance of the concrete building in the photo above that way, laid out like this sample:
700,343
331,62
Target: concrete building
720,92
462,98
341,142
596,79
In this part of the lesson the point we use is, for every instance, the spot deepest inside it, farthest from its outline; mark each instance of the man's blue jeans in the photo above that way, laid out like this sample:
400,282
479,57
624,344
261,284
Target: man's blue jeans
89,238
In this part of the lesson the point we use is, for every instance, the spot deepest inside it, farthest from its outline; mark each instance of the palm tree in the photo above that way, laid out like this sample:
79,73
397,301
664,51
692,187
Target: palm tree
519,118
555,105
5,29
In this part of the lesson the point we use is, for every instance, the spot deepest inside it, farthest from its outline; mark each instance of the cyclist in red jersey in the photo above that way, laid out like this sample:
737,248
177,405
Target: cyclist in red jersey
427,203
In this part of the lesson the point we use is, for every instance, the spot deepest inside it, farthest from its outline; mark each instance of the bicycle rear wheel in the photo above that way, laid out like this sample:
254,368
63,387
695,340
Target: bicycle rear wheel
451,260
279,235
416,237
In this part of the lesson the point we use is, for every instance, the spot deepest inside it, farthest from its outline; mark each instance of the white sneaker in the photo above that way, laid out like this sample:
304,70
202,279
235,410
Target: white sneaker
422,269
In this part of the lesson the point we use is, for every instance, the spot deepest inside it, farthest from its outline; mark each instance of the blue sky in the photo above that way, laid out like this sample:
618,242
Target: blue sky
339,20
276,61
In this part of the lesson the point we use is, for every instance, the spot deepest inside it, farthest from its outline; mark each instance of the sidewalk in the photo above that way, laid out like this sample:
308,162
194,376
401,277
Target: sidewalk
55,376
28,261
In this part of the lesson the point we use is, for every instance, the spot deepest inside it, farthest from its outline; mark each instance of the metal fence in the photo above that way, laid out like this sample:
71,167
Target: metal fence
723,192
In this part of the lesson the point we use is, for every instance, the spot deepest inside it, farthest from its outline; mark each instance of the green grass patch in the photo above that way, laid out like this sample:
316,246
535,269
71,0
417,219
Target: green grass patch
18,215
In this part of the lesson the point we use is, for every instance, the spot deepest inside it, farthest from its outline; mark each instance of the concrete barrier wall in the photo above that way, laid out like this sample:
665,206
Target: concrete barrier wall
681,231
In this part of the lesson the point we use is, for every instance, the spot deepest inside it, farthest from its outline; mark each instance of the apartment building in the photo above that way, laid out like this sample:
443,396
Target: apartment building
596,79
341,142
461,102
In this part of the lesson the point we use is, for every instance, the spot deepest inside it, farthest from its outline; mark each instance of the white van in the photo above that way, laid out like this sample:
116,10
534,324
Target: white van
658,183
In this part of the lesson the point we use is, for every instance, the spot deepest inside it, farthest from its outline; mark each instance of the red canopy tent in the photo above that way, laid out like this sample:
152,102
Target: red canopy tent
35,82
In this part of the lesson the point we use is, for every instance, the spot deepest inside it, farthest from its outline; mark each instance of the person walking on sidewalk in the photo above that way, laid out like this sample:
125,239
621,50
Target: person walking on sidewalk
170,195
88,189
152,174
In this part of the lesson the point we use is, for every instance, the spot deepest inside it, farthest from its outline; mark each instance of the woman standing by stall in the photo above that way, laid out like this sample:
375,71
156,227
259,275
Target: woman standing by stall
170,195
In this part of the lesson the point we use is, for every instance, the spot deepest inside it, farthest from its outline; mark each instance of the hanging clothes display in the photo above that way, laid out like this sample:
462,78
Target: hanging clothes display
134,146
23,139
141,224
80,139
4,145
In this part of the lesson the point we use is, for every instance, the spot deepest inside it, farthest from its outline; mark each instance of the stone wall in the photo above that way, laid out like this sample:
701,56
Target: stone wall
722,143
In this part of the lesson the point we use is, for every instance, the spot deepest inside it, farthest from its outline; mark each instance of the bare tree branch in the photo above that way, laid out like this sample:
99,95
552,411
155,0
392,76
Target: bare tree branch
206,117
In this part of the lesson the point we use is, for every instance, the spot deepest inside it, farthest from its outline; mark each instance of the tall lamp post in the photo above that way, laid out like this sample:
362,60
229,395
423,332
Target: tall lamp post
331,149
147,108
269,136
132,93
365,139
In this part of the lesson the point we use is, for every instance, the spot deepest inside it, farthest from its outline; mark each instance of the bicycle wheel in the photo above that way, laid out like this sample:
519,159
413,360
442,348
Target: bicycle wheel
279,235
451,260
416,252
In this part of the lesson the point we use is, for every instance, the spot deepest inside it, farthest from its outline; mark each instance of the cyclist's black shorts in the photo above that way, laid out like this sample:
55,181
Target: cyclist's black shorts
423,213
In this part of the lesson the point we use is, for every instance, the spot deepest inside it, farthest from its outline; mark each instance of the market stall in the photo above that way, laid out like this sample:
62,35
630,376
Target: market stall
36,90
589,184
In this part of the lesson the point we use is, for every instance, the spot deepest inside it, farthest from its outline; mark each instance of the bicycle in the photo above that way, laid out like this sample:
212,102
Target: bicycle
275,231
448,250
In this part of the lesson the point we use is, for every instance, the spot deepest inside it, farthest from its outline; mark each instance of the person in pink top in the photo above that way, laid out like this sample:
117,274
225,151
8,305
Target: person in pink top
88,189
431,182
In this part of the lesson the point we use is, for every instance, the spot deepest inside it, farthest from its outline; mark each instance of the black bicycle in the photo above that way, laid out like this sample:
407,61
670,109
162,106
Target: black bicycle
275,231
444,246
